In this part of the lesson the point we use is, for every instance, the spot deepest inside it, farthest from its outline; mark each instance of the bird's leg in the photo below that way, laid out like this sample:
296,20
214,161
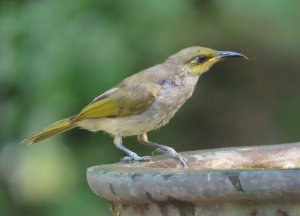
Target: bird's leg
143,139
132,156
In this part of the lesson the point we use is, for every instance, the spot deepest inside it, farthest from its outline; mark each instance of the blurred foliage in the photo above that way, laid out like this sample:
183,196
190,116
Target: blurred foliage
55,56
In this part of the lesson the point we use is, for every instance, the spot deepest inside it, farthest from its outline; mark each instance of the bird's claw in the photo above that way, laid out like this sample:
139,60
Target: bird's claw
136,158
170,151
182,160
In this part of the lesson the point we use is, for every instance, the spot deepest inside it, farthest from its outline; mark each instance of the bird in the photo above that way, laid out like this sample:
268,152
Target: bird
143,102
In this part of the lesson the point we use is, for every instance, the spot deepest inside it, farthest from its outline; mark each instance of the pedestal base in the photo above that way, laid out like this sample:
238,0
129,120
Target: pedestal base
262,180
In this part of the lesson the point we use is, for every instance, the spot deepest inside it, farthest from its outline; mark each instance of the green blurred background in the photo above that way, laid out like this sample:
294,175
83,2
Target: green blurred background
56,56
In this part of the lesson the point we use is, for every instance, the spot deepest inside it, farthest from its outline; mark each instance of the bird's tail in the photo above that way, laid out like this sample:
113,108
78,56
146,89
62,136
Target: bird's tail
56,128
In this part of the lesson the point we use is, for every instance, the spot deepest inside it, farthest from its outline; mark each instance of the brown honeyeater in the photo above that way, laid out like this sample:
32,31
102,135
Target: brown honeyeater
143,102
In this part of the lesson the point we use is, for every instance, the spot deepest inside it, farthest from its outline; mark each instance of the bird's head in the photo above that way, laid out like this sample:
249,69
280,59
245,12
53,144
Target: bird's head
197,60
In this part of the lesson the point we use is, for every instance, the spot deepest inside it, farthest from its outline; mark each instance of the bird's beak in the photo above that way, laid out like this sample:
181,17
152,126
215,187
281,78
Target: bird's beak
229,54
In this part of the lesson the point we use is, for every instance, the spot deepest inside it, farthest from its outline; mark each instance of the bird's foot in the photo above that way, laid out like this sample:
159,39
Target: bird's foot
182,160
171,152
135,157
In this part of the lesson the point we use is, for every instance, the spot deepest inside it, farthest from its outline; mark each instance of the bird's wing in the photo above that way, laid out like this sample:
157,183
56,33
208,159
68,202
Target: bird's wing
121,101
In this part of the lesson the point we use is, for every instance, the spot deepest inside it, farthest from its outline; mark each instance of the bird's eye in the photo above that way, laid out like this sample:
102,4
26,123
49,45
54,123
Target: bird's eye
199,59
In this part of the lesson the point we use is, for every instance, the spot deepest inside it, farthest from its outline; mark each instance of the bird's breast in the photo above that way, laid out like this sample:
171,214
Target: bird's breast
173,95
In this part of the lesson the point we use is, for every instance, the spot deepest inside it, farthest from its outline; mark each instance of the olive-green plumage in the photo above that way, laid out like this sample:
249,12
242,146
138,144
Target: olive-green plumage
144,101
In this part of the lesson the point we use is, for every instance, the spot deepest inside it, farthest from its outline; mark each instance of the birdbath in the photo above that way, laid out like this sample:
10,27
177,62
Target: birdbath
254,181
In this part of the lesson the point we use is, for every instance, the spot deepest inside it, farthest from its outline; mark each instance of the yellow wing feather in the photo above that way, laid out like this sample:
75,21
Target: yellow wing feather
124,101
103,108
56,128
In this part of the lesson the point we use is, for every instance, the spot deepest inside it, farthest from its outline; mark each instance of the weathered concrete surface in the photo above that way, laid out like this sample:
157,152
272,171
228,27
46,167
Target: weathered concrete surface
262,180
